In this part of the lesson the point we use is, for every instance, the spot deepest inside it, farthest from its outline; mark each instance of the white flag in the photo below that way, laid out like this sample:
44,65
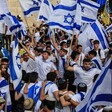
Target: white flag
15,66
30,6
45,11
89,10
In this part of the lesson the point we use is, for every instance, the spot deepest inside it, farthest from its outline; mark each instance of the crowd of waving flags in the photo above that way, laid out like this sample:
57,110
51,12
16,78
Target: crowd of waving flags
72,15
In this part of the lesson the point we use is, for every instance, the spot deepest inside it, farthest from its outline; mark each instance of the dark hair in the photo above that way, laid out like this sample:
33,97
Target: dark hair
107,109
46,52
74,54
26,77
5,59
86,60
96,41
82,87
62,43
51,76
64,50
93,52
62,84
33,77
79,46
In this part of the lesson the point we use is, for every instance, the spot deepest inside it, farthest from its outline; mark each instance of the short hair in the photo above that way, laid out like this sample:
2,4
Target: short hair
33,77
5,59
62,84
51,76
82,87
26,77
62,43
64,50
93,52
74,54
96,41
79,46
86,60
46,52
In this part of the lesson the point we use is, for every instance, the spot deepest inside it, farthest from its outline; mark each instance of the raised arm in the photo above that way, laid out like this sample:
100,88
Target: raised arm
30,55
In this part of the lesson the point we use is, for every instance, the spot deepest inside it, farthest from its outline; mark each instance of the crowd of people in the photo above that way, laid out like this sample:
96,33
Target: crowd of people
57,73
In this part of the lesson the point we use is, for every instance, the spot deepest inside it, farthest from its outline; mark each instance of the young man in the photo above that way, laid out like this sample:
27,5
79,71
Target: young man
96,62
85,74
100,53
43,64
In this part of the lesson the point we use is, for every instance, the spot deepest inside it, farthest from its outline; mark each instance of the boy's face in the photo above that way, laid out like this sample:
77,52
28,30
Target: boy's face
87,65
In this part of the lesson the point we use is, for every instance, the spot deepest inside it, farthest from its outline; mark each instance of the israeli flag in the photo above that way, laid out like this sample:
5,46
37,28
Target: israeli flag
5,93
89,10
36,89
93,31
11,22
15,66
63,16
101,92
30,6
109,28
3,8
101,2
45,11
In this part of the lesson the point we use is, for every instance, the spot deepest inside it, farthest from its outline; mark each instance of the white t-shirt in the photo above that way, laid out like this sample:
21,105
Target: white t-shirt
51,88
102,54
77,97
22,92
86,76
80,61
43,67
2,27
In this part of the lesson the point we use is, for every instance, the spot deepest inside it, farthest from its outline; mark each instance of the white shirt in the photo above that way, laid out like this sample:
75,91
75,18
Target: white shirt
51,88
77,97
80,61
102,54
86,76
37,36
62,61
2,27
22,92
43,67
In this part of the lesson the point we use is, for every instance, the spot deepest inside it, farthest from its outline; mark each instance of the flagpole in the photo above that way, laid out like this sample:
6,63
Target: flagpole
25,18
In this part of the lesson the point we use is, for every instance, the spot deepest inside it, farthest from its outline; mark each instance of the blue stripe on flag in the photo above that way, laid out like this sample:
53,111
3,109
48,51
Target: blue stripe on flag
78,27
101,79
97,64
87,19
65,7
89,4
18,88
101,2
13,72
42,17
3,83
60,25
99,35
46,2
31,10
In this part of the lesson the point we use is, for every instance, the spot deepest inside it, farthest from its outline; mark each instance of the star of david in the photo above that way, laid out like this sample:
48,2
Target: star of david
35,2
17,56
69,19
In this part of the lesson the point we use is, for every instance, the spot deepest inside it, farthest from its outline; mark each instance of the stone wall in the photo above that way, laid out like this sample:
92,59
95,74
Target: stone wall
15,9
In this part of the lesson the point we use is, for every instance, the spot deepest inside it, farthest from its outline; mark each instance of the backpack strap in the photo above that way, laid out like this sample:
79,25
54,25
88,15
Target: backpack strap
99,52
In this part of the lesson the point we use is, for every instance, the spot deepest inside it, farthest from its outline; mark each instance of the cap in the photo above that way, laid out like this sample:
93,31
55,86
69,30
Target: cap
2,100
28,103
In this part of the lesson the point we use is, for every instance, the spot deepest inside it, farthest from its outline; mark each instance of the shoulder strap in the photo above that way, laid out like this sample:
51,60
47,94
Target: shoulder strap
99,52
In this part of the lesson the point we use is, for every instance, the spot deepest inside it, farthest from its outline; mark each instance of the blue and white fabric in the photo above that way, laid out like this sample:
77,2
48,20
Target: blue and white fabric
30,6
